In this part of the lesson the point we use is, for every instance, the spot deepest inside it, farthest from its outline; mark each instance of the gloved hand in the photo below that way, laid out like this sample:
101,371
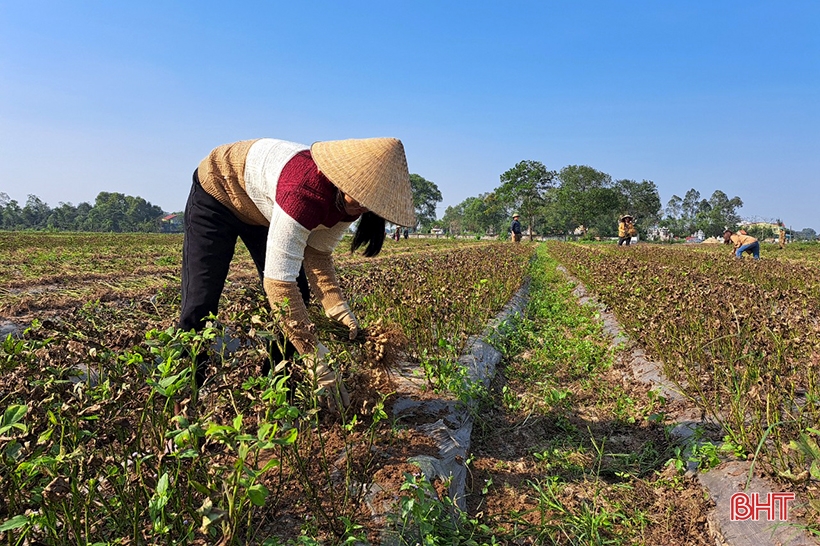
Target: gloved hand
343,314
326,378
323,281
295,323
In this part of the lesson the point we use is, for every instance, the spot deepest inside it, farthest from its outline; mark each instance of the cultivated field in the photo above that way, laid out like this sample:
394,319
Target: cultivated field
104,440
104,437
741,338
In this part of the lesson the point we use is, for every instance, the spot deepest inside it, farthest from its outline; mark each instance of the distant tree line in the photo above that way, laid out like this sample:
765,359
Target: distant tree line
110,212
580,199
805,234
769,232
711,216
124,213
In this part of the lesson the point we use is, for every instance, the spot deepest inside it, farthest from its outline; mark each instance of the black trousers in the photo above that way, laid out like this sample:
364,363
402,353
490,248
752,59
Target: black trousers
211,230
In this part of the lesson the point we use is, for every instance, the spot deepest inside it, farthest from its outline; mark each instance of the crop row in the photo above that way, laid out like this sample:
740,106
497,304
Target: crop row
104,434
740,338
41,272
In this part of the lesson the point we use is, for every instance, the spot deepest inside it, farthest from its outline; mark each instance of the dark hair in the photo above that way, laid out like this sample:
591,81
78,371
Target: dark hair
370,231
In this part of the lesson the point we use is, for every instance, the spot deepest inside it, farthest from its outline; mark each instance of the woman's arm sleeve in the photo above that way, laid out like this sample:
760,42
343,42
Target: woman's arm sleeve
294,321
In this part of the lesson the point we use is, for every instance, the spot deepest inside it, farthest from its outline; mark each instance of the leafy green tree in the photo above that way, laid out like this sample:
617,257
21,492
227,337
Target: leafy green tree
760,232
642,201
674,207
453,219
691,206
483,214
63,218
806,234
35,213
81,222
524,190
554,219
585,197
11,215
497,218
108,212
690,214
111,212
140,215
425,197
120,213
718,213
673,221
682,215
472,215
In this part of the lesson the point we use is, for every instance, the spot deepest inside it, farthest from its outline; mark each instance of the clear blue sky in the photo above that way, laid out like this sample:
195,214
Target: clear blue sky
129,96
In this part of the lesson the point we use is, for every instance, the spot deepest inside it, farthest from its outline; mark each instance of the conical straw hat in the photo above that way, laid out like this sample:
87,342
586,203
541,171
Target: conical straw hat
373,171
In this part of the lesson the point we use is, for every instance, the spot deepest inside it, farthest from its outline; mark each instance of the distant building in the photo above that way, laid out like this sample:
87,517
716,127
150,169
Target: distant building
767,231
171,223
696,237
772,227
657,233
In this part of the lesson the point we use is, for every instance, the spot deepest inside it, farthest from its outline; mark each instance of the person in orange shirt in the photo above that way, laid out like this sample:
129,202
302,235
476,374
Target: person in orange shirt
742,243
626,230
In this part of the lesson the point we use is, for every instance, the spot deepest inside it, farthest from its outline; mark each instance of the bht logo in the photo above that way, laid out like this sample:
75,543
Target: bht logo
748,506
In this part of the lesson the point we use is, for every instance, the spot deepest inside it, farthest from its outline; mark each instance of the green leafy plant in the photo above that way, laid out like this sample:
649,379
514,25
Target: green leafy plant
425,519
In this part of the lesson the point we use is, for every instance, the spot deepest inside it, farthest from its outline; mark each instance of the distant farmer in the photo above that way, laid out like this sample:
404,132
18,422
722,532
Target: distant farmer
781,238
742,243
406,233
626,230
290,204
515,228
